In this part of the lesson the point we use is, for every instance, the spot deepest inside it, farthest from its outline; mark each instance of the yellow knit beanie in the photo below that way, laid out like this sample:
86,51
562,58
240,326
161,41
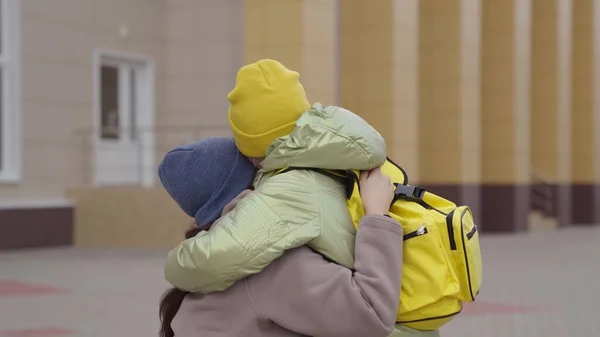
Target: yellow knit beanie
265,104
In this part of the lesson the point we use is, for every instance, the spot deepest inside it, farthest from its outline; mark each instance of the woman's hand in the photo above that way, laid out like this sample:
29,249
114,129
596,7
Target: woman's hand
376,191
231,205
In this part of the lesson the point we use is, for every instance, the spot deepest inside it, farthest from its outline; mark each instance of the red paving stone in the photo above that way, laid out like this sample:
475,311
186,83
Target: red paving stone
493,308
15,288
46,332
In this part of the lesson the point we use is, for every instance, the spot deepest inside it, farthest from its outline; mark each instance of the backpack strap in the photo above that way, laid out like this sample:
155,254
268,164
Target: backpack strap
348,178
405,182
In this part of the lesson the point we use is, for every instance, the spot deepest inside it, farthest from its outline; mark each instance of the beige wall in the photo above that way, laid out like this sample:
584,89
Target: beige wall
411,68
204,49
197,49
57,44
127,218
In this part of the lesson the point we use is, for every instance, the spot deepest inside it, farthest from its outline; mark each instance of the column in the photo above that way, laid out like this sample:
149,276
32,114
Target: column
522,112
449,109
563,111
379,72
440,145
582,107
544,88
499,120
471,104
405,98
505,115
550,99
367,64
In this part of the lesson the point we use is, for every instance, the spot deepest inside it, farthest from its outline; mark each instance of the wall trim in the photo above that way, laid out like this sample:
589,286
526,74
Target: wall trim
35,204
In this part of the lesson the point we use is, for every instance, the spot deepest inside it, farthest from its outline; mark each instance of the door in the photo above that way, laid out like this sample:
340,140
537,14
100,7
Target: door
124,136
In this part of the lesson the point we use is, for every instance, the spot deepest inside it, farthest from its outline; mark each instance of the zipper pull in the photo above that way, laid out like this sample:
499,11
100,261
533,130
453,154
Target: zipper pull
421,230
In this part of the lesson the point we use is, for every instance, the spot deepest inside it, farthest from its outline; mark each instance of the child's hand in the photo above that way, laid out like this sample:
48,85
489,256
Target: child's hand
231,205
377,191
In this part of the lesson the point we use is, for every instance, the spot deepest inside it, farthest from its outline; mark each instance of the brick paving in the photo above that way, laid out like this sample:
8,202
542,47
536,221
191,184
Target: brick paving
535,285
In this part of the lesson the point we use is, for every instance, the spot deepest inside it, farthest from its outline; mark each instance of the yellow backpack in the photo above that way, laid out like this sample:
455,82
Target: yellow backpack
442,259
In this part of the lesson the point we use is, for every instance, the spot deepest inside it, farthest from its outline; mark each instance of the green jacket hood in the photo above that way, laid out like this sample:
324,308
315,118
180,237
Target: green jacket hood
330,138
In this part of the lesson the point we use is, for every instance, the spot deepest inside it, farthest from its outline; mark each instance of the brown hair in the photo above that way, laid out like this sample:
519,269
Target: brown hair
172,298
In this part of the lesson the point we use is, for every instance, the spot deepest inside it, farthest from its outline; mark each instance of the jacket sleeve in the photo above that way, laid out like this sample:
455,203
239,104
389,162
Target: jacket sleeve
281,214
306,294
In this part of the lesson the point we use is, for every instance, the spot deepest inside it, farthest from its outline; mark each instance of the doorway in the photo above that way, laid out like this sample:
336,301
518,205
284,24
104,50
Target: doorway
123,119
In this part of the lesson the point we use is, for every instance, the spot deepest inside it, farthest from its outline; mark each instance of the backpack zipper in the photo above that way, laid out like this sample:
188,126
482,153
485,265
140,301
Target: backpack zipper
450,228
462,232
472,232
421,231
432,318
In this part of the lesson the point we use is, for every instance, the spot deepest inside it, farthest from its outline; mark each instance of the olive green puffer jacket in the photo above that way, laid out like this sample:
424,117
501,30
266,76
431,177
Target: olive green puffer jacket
287,210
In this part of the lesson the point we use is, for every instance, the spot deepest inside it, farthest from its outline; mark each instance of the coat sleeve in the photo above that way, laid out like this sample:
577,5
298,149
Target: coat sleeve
281,214
304,293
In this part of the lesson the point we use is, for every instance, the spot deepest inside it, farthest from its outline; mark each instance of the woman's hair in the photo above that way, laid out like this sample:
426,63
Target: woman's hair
172,298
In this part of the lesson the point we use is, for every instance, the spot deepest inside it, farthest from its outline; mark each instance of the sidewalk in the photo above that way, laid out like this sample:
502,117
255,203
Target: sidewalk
537,285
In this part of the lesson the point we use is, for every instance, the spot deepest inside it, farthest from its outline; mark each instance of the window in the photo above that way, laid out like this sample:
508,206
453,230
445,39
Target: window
118,100
109,102
10,156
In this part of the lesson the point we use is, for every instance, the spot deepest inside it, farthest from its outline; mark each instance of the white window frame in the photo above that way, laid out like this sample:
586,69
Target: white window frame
10,62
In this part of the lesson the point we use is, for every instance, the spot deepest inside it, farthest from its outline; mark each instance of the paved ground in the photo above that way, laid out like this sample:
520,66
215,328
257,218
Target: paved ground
535,285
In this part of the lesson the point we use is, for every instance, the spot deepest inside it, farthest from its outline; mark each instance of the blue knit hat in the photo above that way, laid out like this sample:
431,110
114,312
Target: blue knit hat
205,176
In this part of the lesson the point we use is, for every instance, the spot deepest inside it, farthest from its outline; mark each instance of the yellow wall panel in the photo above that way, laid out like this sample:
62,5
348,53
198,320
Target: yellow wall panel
582,99
366,59
497,94
544,87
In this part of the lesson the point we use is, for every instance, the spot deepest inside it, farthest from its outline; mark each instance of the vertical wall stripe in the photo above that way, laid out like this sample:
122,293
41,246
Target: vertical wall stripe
522,111
470,64
471,90
563,110
522,89
405,82
338,41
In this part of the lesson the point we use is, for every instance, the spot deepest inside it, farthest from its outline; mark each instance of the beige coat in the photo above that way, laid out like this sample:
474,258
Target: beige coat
302,294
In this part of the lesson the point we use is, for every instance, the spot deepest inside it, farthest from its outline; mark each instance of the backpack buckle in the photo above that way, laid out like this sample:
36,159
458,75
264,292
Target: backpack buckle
408,192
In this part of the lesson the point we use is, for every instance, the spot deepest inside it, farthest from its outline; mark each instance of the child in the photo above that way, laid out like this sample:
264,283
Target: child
274,125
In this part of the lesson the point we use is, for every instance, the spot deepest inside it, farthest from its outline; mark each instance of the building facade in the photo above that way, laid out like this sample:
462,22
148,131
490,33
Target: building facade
491,103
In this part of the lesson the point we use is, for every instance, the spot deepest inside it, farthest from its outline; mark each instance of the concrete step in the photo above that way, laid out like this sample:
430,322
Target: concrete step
539,222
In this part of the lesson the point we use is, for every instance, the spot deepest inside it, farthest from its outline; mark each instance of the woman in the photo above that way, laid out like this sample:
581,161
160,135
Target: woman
300,293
